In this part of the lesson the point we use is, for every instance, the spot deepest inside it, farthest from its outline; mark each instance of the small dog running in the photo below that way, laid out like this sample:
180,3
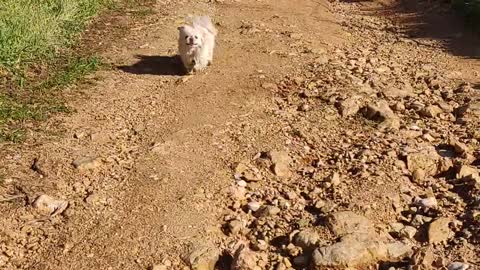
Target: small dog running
196,43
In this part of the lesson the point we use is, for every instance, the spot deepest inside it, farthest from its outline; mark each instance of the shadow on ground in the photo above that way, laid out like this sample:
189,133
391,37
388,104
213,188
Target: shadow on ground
155,65
429,19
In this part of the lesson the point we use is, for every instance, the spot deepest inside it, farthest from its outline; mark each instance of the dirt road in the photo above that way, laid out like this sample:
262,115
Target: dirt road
147,161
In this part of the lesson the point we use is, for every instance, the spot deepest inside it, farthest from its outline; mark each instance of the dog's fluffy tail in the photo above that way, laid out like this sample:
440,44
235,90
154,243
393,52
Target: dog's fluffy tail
205,22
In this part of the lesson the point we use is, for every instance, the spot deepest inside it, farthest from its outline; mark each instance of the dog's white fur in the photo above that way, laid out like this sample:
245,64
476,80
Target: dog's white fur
196,43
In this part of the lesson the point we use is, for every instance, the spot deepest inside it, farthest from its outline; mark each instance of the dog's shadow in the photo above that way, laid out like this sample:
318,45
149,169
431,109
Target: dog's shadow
155,65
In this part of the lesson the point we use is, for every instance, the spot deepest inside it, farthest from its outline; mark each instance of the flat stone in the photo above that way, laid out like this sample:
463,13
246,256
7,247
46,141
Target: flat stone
87,163
439,231
203,257
342,223
307,239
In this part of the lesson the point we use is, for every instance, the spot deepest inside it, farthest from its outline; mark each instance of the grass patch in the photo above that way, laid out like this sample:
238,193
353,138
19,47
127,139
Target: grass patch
37,57
33,31
39,101
40,54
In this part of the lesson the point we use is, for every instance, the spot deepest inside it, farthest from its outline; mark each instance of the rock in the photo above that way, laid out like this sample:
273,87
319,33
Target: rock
50,205
245,171
342,223
349,106
418,176
235,226
427,203
381,112
431,111
334,179
408,232
253,206
267,210
87,163
93,199
468,173
358,249
396,227
439,231
425,160
244,258
458,266
460,148
281,170
38,166
403,91
281,162
423,257
203,257
307,239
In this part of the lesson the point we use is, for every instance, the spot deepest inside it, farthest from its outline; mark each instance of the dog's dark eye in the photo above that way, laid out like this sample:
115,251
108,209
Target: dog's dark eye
196,37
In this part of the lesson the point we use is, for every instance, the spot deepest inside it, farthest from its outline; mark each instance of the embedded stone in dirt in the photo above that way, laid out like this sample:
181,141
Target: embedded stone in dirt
404,90
458,266
425,160
50,205
359,244
246,171
459,147
349,106
439,231
267,210
244,258
203,257
431,111
281,162
466,172
358,249
346,222
307,239
380,111
86,163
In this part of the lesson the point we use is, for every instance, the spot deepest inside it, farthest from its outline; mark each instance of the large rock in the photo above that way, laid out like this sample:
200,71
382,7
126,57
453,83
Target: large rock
439,231
349,106
468,173
307,239
346,222
244,258
203,257
358,249
359,244
425,160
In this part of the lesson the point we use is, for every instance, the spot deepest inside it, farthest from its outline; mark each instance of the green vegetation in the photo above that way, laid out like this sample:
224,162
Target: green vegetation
36,30
471,10
36,57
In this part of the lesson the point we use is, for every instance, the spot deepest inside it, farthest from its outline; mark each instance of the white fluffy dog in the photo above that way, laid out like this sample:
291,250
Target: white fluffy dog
196,43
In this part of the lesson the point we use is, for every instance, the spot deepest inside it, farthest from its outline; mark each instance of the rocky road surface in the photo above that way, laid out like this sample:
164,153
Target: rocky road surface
324,136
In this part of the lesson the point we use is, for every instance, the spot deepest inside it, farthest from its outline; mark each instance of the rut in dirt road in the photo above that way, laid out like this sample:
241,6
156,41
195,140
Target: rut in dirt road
322,137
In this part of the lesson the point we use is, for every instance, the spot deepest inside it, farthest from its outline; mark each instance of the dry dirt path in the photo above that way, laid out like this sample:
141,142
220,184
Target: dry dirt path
165,144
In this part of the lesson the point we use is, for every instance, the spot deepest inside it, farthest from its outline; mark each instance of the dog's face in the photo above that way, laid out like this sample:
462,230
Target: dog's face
191,37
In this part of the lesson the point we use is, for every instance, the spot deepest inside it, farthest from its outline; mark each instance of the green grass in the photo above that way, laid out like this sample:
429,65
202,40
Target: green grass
39,56
40,101
36,58
36,30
